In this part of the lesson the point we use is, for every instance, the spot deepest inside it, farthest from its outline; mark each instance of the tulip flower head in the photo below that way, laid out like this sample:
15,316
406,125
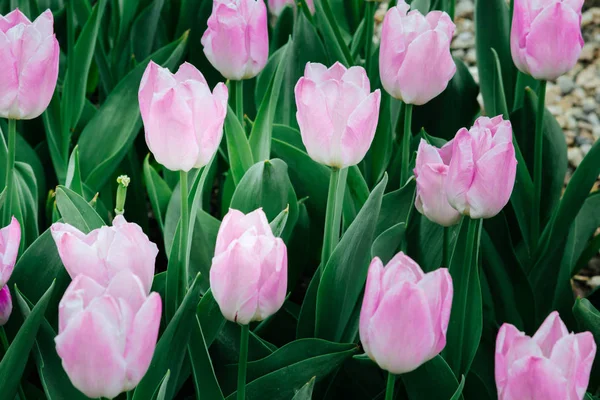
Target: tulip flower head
29,55
277,6
107,335
248,277
552,365
105,252
183,120
405,314
337,113
5,305
546,38
236,41
431,170
482,171
10,239
415,63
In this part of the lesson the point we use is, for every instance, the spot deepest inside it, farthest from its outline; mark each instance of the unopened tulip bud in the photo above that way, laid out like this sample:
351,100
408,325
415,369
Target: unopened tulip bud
552,365
5,305
337,113
483,167
248,277
415,63
10,239
183,120
546,38
236,41
405,314
29,55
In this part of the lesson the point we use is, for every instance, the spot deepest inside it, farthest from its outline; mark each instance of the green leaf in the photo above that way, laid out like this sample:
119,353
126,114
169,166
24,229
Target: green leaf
14,361
205,381
279,222
158,192
424,6
162,387
238,148
380,153
76,211
52,126
458,394
466,319
106,139
280,375
260,137
588,318
210,317
334,42
386,244
346,271
492,31
73,179
143,31
73,98
266,184
418,383
171,347
305,392
26,202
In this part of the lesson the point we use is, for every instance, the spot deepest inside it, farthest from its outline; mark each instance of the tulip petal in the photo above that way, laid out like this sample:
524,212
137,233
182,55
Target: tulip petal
154,80
187,71
258,38
372,297
438,289
360,130
235,224
9,79
535,378
5,305
461,172
551,330
127,286
507,335
10,240
431,197
273,278
399,269
574,355
79,294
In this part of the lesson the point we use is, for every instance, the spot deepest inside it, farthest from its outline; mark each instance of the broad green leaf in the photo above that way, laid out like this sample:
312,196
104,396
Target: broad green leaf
458,394
52,126
307,317
210,317
588,318
238,148
279,223
418,383
386,244
25,202
380,153
14,361
283,28
161,390
73,179
205,381
424,6
466,319
158,192
334,42
346,271
106,139
266,184
76,211
171,347
306,391
143,31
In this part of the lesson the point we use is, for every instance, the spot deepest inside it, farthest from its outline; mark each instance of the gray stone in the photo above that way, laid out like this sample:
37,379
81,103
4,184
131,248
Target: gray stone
566,84
575,156
464,9
589,105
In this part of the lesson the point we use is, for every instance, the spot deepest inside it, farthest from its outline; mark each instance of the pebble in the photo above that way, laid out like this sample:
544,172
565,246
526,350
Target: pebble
464,9
585,148
575,156
589,105
566,84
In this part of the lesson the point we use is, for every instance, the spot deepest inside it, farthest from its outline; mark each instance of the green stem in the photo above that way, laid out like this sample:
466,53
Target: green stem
241,383
451,9
389,390
406,137
10,167
537,166
184,225
446,248
333,215
370,25
239,101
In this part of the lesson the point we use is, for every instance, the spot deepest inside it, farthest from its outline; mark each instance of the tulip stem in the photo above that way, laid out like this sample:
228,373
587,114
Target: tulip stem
369,26
446,248
10,166
185,227
451,9
239,101
406,137
537,165
241,383
333,215
389,390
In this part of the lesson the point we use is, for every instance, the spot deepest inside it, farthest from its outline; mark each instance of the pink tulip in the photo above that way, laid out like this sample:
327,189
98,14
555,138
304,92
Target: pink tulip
337,113
107,335
10,239
183,120
29,64
5,305
431,170
236,41
405,314
105,252
277,6
552,365
482,171
546,38
415,63
249,271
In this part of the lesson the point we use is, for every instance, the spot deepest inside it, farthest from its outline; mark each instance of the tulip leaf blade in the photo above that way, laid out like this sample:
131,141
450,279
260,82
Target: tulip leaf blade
588,318
76,211
73,178
171,347
306,391
158,192
238,148
205,381
345,274
334,41
458,394
279,222
419,386
144,29
161,390
14,361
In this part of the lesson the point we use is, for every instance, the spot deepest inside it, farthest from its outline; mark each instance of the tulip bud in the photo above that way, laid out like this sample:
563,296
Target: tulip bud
182,119
415,63
237,42
431,170
337,113
277,6
5,305
405,314
482,170
29,63
248,277
104,252
107,335
10,239
545,39
552,365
